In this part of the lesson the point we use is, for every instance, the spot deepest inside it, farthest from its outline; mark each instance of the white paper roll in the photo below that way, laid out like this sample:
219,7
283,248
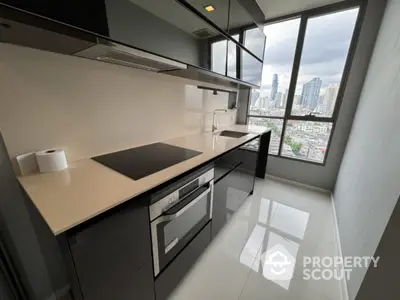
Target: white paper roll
27,163
51,160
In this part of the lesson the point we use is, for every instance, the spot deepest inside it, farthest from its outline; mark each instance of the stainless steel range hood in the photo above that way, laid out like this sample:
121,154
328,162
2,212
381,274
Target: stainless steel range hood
25,29
115,53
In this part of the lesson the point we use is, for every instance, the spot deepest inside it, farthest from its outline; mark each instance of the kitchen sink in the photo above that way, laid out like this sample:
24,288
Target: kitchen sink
232,134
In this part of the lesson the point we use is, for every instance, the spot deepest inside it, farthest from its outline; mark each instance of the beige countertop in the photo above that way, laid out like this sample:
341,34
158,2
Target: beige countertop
87,188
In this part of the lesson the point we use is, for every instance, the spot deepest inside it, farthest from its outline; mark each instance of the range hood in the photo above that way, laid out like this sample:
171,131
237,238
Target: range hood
25,29
115,53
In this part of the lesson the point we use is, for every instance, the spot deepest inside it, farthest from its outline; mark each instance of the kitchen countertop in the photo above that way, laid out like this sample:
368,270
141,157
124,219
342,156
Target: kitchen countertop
86,189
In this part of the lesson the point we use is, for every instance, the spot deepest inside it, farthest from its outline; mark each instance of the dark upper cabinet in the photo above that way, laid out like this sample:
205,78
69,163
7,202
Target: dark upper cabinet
175,29
217,11
243,16
89,15
166,28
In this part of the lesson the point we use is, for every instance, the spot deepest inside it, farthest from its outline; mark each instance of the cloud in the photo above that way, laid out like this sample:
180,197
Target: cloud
324,53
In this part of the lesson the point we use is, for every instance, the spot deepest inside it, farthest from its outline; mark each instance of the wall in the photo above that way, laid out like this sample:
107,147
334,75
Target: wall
383,280
325,176
368,187
88,108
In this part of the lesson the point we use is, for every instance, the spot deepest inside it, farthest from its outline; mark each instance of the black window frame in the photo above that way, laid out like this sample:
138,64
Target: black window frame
304,16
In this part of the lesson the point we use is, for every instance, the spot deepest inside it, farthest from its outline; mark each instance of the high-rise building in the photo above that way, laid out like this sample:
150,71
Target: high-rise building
284,98
330,96
254,97
278,99
297,99
275,84
310,93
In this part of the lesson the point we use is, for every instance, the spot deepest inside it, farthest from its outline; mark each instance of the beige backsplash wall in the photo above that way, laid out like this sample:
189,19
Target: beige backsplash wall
89,108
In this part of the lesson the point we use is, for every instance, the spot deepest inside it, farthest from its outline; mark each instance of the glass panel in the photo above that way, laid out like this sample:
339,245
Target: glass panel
306,140
325,50
240,18
254,41
276,131
182,225
280,47
232,55
251,68
218,57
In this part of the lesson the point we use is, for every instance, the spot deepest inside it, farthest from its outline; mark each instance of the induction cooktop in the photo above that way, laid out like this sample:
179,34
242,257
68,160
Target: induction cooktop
142,161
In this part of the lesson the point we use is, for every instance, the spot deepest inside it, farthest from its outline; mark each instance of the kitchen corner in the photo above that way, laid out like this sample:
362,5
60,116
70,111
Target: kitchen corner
98,214
156,161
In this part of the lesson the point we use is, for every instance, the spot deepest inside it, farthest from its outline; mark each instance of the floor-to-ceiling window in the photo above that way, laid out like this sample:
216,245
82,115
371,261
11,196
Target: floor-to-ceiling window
302,82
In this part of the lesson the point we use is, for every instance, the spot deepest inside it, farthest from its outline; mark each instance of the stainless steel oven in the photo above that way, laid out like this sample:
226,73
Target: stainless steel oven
179,216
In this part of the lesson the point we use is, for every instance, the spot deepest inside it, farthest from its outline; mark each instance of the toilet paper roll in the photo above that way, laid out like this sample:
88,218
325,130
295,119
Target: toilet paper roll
27,163
51,160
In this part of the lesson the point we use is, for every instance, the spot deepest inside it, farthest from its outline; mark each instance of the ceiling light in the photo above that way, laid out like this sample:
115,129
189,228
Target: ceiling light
209,8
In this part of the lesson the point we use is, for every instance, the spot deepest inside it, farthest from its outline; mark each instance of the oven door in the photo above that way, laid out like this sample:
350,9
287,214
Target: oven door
176,227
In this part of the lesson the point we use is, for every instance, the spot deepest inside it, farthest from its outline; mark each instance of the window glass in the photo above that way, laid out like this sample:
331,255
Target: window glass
276,128
306,140
280,47
325,50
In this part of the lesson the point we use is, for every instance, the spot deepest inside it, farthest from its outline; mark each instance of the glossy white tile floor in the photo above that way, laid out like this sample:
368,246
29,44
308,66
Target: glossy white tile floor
233,267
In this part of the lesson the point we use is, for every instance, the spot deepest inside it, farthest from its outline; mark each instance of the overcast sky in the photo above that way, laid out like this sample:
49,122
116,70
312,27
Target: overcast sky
325,49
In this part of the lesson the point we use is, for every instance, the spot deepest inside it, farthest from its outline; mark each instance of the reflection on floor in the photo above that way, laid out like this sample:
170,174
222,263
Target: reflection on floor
280,219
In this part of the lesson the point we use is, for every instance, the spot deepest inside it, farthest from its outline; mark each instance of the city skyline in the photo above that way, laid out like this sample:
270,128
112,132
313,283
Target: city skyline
321,58
311,99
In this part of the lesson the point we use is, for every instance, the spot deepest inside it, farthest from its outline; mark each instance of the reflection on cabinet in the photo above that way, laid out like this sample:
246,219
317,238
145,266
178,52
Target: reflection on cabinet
245,15
108,262
163,27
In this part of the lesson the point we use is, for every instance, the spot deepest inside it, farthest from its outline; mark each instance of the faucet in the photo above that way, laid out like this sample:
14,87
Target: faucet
213,125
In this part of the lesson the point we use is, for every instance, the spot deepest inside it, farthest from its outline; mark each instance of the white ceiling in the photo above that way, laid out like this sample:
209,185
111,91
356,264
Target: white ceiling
278,8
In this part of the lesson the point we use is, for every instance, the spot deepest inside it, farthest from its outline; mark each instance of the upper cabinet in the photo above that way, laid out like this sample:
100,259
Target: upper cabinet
165,28
247,18
217,11
220,36
89,15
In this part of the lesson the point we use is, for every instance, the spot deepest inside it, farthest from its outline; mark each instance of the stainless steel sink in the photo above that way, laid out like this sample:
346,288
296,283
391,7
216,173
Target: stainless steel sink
232,134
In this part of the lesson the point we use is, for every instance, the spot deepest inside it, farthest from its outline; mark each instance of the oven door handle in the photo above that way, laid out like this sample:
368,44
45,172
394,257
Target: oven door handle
173,213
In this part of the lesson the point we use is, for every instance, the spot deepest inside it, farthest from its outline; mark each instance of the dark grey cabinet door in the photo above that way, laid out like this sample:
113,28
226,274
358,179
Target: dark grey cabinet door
234,180
220,213
169,279
112,257
89,14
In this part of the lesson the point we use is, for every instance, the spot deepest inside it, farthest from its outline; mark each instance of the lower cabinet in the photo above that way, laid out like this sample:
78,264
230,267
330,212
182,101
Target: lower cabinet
229,194
112,257
234,183
169,279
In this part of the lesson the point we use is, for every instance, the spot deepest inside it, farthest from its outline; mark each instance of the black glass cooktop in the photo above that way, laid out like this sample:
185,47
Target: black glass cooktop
142,161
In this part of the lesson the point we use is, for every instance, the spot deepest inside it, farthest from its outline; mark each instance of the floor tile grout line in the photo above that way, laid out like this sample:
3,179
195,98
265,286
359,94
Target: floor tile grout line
249,273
